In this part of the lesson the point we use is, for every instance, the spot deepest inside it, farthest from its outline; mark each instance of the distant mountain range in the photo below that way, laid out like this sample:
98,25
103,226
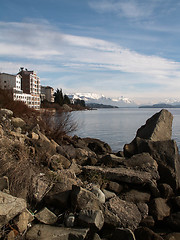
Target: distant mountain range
92,98
105,102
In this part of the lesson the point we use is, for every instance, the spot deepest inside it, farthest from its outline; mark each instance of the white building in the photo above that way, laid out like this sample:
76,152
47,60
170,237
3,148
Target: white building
31,95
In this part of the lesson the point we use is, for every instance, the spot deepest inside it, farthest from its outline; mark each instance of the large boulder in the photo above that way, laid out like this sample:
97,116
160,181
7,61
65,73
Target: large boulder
97,146
94,219
10,207
46,232
159,208
127,213
123,174
166,155
158,127
82,198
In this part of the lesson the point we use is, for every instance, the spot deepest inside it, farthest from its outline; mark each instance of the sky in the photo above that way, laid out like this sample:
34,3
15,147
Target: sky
116,48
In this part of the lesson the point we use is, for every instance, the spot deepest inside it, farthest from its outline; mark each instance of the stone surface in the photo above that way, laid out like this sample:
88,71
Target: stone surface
148,222
159,209
10,207
23,219
143,209
83,199
58,161
158,127
46,216
122,174
94,219
135,196
166,155
18,122
173,236
165,190
128,213
46,232
123,234
111,160
108,194
174,221
6,112
97,146
143,233
114,187
99,194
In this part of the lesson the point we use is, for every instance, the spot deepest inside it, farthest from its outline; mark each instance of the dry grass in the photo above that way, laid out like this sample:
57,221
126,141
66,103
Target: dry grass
16,165
58,125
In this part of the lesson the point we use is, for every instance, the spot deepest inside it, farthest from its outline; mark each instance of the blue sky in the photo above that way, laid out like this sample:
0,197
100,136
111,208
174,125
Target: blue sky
117,48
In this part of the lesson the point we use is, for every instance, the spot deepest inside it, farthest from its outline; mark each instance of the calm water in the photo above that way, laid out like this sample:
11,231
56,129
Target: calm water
118,126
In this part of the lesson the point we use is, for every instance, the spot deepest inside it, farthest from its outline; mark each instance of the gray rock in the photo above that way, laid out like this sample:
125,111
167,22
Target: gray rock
58,161
122,174
123,234
6,112
112,160
46,232
94,219
173,236
128,213
10,207
97,146
114,187
46,216
108,194
18,122
84,199
159,209
165,190
148,222
143,209
141,232
158,127
174,221
136,196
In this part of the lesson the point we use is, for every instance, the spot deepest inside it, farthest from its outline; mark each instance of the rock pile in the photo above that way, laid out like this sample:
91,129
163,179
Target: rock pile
81,190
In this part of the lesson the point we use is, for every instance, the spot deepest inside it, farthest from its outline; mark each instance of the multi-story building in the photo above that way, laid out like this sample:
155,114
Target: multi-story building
25,87
47,93
30,84
9,81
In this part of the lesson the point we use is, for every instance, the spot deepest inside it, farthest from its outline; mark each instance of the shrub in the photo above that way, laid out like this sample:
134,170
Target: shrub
16,165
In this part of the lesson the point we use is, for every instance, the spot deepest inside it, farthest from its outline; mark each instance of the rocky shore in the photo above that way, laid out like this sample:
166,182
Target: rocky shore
80,189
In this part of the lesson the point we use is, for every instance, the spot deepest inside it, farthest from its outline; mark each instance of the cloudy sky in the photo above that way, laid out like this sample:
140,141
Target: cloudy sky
117,48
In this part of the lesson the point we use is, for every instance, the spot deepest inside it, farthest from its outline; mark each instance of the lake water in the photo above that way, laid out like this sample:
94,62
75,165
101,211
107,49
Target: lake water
118,126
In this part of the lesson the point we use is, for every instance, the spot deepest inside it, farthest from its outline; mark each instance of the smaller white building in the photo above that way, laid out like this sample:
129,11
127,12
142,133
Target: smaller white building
9,81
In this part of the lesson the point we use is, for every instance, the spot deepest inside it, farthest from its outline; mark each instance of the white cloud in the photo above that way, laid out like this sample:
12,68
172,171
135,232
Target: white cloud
46,49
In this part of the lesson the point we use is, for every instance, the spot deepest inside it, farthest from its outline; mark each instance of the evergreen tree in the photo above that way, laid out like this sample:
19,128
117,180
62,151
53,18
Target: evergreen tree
66,99
58,97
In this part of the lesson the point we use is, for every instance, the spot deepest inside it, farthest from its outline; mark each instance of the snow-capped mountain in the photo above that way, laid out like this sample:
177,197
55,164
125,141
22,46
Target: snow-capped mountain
101,99
172,101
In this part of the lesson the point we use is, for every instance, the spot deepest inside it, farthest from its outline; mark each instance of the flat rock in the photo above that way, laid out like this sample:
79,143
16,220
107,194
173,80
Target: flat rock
10,207
127,213
46,232
122,174
46,216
